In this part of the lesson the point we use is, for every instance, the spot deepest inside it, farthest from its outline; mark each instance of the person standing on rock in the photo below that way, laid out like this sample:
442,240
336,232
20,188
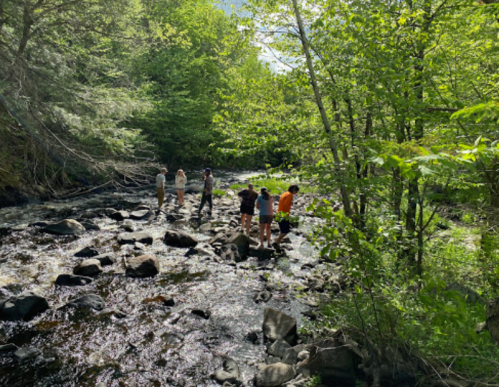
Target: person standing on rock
283,210
248,196
207,191
265,203
160,187
180,182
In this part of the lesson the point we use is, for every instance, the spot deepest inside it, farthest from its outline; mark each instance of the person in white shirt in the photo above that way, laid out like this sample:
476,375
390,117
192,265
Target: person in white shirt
180,182
160,187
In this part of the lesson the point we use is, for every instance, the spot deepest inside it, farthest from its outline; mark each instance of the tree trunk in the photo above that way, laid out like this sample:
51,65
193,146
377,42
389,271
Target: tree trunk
27,24
327,126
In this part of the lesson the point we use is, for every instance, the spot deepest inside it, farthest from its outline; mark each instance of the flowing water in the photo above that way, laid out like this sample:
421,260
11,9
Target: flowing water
136,341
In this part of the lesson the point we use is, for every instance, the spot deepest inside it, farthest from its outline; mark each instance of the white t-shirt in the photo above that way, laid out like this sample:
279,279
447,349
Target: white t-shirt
180,181
159,180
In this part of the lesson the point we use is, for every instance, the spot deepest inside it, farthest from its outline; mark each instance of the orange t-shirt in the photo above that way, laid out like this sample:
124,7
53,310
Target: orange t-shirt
285,202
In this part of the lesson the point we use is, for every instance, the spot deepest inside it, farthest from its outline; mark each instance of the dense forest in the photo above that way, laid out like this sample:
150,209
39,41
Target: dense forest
389,107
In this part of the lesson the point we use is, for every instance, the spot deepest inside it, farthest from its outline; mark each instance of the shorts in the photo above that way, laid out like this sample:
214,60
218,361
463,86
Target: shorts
248,210
284,226
180,189
266,219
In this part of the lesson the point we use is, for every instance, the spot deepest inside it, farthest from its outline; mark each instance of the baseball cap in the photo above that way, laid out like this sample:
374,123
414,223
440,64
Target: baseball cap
207,170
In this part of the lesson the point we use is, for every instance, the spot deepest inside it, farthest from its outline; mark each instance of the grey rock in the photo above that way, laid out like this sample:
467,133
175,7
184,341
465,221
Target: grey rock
263,296
88,267
72,280
132,237
65,227
290,356
218,238
179,239
89,301
87,252
106,259
90,226
277,325
23,307
278,348
26,354
119,215
272,360
142,266
242,241
230,372
274,375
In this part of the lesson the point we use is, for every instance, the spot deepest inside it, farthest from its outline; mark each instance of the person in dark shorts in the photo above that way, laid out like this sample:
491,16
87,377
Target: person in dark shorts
248,196
283,210
207,191
265,203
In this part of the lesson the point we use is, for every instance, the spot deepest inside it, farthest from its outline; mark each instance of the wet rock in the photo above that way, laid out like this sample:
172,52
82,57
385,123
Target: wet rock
119,215
265,253
263,296
141,214
199,251
88,267
23,307
26,354
201,313
72,280
277,325
65,227
106,259
218,238
242,241
87,252
229,374
278,348
39,224
142,266
8,348
179,239
274,375
90,226
230,253
89,301
132,237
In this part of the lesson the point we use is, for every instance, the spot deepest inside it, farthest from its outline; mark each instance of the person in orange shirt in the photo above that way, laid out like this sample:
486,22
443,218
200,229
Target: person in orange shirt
285,202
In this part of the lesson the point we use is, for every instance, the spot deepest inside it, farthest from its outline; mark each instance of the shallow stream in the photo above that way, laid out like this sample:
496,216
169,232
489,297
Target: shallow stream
136,341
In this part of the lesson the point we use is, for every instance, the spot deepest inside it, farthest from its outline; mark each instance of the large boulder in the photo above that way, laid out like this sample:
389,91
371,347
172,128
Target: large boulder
229,253
65,227
277,325
230,372
142,266
179,239
86,302
88,267
274,375
129,238
242,241
23,307
72,280
278,348
334,362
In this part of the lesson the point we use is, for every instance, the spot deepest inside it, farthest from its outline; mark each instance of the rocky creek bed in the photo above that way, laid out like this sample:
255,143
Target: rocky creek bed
103,291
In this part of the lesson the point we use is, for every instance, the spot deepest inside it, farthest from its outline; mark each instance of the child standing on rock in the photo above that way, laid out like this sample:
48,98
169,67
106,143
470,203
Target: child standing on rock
180,182
249,196
265,203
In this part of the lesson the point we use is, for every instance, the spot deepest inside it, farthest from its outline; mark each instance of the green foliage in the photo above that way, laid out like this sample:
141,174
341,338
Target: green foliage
314,381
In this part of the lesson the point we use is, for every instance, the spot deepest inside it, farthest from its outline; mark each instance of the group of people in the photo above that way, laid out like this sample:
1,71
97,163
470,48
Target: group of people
249,198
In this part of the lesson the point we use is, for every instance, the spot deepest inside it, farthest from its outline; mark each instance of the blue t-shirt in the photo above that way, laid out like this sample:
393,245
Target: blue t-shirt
266,206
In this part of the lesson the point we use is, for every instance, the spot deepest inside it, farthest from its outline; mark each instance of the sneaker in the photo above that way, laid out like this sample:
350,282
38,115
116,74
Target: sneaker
276,246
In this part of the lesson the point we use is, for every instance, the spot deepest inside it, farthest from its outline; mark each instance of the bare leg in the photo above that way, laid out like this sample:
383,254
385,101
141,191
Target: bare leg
248,224
280,238
181,194
243,218
262,228
178,197
269,234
